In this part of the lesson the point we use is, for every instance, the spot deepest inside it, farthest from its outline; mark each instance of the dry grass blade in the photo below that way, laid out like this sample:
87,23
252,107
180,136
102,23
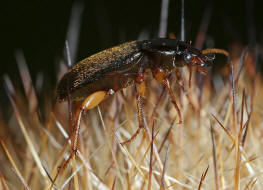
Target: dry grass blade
242,110
113,185
250,184
74,167
203,178
182,36
151,161
21,179
245,131
222,126
68,180
163,19
155,150
3,181
236,130
162,187
23,129
166,136
10,158
173,180
154,112
200,37
27,82
74,30
242,60
214,157
132,160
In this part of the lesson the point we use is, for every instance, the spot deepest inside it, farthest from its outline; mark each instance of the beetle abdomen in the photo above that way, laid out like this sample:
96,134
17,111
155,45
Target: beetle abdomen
92,73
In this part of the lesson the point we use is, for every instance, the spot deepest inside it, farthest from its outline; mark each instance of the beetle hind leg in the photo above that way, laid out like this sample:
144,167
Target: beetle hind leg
89,103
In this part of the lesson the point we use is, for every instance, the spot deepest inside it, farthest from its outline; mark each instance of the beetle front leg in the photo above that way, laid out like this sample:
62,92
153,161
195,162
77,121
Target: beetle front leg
161,76
172,96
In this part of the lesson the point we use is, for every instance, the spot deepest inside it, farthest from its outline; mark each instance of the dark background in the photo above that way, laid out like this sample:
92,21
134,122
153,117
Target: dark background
39,28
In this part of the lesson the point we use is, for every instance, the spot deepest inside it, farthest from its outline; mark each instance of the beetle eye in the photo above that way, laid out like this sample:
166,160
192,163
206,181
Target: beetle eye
188,57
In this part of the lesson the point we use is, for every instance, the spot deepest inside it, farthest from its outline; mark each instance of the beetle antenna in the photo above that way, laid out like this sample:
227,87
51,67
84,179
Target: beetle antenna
214,50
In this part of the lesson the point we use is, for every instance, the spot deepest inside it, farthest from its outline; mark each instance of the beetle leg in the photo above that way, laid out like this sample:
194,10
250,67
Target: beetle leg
160,75
140,110
139,100
89,103
172,96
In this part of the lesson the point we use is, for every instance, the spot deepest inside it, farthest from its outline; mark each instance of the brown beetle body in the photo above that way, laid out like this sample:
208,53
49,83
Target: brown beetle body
118,67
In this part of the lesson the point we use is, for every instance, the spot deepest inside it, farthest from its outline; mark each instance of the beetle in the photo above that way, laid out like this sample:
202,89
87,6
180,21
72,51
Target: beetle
125,65
106,72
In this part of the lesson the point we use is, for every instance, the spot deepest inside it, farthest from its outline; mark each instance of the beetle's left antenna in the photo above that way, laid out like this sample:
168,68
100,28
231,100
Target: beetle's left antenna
217,51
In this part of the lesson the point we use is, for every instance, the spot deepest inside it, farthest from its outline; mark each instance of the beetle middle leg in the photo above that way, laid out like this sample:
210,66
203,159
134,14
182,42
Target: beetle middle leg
139,99
140,111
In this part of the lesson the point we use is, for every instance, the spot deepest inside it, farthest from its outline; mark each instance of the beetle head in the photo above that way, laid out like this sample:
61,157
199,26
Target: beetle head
199,59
